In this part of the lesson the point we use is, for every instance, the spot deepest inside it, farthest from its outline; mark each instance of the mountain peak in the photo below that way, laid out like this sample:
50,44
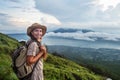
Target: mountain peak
71,30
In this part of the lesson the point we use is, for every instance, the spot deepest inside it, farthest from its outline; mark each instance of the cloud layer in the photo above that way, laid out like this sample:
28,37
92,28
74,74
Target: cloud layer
89,36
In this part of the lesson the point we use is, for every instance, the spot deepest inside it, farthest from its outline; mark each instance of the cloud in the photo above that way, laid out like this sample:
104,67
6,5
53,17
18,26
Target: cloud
13,0
96,26
22,13
80,10
66,10
86,14
2,14
106,4
89,36
4,20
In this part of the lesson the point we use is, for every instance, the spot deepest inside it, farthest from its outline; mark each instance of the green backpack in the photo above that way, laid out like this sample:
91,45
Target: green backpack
19,64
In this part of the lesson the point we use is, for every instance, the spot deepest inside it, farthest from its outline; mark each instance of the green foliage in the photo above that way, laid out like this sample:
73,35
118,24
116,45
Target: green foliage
102,61
7,44
57,68
6,72
106,68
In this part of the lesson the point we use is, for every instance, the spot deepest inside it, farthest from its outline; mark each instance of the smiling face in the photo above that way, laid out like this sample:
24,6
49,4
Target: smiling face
37,33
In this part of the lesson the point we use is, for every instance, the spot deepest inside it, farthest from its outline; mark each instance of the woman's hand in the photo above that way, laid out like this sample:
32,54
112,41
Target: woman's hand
44,50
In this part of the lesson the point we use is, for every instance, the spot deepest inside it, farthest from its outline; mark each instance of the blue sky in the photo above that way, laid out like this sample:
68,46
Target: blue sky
98,15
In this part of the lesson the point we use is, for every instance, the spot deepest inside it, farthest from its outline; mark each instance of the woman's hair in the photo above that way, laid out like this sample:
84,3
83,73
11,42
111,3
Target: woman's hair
32,37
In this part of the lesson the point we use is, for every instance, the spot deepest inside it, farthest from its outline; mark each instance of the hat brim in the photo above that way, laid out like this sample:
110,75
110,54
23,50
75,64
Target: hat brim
32,27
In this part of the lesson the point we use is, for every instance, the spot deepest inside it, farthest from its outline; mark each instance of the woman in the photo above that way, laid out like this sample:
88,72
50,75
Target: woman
36,51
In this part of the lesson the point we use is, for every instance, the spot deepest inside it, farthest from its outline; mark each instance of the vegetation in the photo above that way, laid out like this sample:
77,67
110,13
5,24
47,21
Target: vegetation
102,61
7,44
6,72
55,68
106,68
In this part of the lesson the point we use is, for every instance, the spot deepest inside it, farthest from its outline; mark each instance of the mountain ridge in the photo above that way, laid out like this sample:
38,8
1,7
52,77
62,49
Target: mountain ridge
63,30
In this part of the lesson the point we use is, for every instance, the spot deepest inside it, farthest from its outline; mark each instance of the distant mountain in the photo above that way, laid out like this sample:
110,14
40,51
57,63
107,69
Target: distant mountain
86,30
70,30
102,54
55,68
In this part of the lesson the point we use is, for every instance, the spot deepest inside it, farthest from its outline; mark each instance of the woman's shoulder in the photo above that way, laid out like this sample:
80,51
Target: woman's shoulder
31,43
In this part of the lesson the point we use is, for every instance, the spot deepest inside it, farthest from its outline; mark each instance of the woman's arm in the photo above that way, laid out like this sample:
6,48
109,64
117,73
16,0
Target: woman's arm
33,59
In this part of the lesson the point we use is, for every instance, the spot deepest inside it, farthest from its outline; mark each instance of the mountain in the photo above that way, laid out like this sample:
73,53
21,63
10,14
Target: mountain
55,68
70,30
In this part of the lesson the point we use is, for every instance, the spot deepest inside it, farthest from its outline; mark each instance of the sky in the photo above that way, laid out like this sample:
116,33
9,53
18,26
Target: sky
97,15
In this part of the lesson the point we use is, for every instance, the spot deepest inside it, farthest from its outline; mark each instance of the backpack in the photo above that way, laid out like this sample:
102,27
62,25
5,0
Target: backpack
19,64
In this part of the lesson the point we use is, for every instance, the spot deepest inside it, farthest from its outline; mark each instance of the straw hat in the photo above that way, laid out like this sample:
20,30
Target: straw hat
34,26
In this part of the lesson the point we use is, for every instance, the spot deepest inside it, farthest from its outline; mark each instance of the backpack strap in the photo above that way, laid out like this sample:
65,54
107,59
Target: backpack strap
28,43
34,66
39,44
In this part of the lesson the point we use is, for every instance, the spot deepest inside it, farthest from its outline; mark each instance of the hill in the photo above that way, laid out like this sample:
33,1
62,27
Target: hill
102,61
7,44
55,68
61,69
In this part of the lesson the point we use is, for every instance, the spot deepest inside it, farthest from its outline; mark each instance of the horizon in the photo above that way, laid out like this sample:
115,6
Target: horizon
55,40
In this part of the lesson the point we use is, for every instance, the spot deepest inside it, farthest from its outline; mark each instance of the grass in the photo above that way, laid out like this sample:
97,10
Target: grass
6,72
61,69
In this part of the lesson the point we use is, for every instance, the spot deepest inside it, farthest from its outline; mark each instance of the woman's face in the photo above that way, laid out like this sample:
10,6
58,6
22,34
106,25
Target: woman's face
37,33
